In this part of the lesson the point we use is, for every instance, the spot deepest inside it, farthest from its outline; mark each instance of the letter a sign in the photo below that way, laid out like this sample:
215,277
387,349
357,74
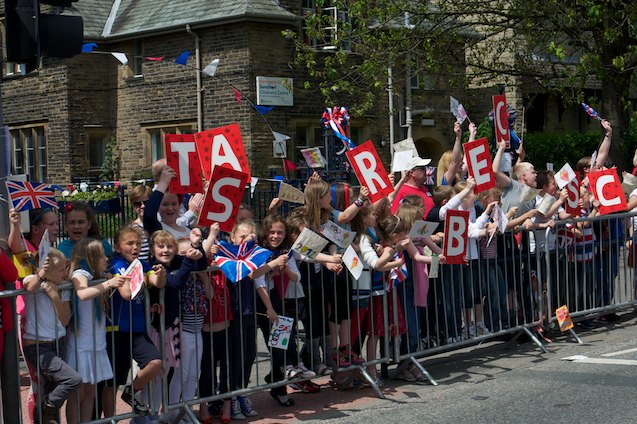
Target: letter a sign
221,146
456,236
370,170
479,164
223,197
181,155
501,120
608,190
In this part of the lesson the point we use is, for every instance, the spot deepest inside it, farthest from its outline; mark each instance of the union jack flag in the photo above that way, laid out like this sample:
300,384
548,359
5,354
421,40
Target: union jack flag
30,195
237,262
591,112
397,275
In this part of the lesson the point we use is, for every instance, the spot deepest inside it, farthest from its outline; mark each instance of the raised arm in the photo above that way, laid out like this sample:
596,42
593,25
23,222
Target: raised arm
456,158
604,148
352,210
501,178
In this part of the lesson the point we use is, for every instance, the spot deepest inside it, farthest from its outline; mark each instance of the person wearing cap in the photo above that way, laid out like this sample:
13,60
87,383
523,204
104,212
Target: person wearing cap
415,185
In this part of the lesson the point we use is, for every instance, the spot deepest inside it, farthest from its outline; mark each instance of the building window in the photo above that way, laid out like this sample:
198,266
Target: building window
29,152
96,148
331,23
155,140
138,57
13,69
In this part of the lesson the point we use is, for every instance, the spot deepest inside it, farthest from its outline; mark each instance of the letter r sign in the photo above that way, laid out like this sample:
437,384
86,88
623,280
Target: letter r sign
370,170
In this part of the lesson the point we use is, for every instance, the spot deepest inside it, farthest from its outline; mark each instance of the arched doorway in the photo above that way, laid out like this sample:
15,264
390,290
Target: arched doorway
430,148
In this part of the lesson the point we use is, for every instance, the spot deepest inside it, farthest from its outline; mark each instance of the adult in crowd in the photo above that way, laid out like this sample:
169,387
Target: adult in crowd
415,185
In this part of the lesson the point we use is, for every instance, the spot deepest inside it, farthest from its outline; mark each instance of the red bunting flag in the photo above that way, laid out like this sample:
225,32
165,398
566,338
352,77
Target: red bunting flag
288,165
237,94
155,59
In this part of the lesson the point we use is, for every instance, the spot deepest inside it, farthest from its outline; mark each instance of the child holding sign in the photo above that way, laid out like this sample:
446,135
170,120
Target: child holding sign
86,349
286,293
128,316
318,211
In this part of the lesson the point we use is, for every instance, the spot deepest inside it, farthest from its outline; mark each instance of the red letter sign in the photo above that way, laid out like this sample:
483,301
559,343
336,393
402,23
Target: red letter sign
607,188
181,155
572,201
456,236
222,146
501,119
370,171
223,197
479,164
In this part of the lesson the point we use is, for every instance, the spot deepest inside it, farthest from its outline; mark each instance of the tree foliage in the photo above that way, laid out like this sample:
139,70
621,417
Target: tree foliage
562,46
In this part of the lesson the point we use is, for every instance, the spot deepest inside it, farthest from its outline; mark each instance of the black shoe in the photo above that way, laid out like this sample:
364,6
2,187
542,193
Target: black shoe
50,414
134,400
611,317
287,402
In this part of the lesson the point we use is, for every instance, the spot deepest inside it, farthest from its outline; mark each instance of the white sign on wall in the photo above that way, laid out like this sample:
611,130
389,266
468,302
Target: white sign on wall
273,91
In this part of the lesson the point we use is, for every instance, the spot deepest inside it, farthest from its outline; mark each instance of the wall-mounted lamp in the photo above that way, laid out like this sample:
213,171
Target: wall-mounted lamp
381,139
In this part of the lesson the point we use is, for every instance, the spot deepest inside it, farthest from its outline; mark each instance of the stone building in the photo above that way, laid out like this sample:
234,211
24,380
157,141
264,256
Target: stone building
62,116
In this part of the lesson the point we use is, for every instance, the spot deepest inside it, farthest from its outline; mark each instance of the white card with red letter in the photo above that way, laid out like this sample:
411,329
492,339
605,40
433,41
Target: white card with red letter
479,164
223,198
501,120
181,155
608,190
564,176
370,170
456,236
222,146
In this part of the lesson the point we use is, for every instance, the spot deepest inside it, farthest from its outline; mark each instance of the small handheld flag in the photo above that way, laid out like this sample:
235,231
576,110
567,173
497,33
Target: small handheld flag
30,195
591,112
237,262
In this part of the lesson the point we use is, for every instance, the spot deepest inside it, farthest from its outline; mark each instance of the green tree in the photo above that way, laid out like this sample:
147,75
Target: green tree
560,46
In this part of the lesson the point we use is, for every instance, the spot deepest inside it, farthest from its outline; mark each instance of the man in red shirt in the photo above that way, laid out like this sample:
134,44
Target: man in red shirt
415,185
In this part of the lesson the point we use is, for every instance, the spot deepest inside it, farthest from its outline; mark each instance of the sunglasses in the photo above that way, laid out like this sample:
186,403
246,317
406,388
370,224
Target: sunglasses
139,204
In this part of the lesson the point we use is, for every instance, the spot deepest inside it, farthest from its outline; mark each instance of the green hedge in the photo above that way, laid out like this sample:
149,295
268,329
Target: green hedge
559,148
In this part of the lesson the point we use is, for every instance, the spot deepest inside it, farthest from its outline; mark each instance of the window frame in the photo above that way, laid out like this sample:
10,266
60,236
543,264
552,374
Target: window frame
161,131
33,158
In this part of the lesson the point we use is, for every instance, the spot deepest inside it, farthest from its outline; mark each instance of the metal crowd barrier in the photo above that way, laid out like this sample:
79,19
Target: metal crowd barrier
510,291
589,267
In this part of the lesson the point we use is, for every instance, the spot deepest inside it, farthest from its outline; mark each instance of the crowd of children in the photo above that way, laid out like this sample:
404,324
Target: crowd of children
406,295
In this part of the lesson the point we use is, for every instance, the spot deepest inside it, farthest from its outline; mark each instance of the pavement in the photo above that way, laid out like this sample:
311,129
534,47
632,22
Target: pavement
492,382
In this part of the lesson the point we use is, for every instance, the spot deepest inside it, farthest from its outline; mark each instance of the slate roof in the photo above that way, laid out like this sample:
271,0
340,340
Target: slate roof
133,17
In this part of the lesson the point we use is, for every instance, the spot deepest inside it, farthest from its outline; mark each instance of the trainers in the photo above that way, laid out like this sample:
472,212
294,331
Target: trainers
291,373
246,406
305,371
406,375
482,329
306,387
469,332
355,359
415,371
235,411
135,400
323,369
340,358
